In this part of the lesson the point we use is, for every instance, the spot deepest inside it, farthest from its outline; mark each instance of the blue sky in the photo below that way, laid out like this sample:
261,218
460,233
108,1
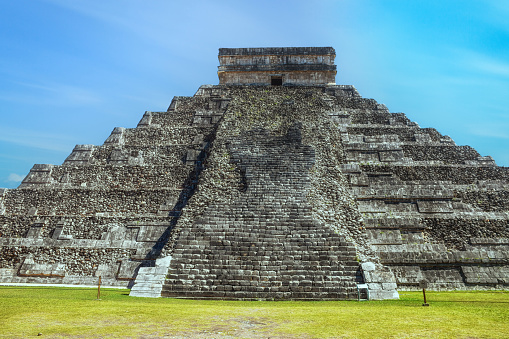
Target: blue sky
70,71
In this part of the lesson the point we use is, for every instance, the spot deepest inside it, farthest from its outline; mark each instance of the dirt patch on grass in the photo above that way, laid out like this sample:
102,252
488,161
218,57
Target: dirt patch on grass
238,327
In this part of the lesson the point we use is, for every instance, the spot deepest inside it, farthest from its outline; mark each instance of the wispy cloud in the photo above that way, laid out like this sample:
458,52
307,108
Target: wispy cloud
98,10
184,28
497,13
51,94
35,139
497,130
492,66
485,64
13,177
71,93
134,22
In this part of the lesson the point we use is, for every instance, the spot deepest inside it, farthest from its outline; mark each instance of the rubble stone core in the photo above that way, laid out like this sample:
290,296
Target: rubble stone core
248,191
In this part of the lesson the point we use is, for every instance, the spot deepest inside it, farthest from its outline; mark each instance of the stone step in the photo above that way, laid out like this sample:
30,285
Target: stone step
150,280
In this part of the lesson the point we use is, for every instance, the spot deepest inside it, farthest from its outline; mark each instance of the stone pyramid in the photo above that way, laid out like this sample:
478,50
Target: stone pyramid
275,184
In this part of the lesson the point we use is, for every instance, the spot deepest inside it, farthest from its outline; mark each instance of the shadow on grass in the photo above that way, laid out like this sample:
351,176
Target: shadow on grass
20,288
468,301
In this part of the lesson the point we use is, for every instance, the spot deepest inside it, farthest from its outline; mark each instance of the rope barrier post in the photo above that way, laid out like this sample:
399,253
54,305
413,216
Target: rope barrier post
424,284
99,289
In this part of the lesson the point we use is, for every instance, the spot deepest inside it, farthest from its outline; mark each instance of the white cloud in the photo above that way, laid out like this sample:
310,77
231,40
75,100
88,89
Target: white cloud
98,10
498,130
13,177
497,13
53,94
35,139
485,64
187,29
493,66
150,21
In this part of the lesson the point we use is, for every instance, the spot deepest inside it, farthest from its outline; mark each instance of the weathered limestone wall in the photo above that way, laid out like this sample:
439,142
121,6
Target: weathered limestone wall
295,66
232,59
432,210
108,210
263,192
288,78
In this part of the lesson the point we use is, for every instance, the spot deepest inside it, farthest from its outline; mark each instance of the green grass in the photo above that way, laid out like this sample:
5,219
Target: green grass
74,313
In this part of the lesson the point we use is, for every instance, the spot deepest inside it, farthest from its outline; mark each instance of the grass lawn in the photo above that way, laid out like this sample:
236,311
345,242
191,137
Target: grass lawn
75,313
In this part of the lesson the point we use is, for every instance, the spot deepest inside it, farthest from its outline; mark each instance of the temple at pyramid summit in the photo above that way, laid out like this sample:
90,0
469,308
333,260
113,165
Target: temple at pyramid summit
275,184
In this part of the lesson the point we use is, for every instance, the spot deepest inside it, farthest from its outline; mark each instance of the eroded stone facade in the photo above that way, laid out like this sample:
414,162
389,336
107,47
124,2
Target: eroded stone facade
277,66
263,192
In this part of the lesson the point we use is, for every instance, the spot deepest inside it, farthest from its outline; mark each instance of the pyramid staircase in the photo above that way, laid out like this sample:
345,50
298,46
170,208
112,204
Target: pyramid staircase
264,244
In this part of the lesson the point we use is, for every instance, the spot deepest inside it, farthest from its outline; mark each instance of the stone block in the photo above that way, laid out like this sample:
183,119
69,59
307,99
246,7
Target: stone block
368,266
434,206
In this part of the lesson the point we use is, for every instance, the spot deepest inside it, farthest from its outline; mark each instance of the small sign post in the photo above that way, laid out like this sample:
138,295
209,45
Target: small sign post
424,284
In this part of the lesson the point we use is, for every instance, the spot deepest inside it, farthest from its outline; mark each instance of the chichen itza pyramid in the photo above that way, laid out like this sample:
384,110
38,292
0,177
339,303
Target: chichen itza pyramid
275,184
